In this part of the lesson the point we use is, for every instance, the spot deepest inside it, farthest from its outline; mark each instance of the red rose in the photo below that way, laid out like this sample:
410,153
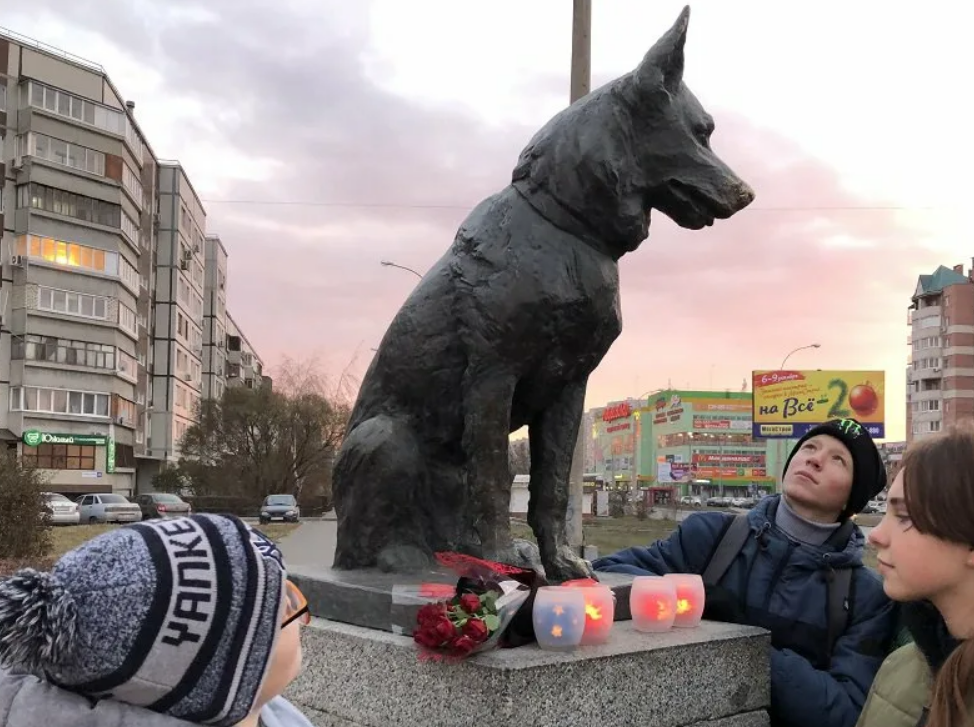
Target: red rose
476,630
444,629
463,645
470,603
430,613
427,637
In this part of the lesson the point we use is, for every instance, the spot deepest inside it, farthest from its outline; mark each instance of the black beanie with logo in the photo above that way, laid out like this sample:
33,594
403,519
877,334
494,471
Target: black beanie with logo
868,470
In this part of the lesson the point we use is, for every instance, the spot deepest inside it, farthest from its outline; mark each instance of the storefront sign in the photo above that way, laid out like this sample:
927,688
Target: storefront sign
616,411
34,438
110,456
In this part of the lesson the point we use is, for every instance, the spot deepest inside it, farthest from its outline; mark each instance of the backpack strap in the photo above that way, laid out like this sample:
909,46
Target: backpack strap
730,544
839,586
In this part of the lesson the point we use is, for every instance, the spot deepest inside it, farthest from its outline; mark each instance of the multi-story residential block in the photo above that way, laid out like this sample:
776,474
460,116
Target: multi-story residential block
77,244
940,376
244,366
177,372
112,298
215,319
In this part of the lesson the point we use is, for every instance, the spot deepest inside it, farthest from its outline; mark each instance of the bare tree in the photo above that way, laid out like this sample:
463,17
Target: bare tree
255,442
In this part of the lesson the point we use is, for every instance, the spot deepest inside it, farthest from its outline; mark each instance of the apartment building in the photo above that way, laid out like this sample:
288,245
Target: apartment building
177,355
107,297
77,241
215,319
244,366
940,375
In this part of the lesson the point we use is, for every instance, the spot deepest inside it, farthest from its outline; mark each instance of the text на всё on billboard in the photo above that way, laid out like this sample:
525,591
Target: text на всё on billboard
789,403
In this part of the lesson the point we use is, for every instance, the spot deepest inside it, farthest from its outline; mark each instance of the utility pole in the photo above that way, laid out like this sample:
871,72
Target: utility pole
581,84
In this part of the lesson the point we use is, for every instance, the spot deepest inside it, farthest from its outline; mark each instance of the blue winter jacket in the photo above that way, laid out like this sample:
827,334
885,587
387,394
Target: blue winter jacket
781,586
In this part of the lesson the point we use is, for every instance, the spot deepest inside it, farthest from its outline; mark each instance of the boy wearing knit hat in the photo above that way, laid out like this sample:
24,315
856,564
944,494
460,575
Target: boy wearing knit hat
158,624
782,567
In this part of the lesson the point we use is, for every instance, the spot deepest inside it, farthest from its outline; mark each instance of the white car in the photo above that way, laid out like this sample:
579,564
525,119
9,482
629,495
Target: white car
59,510
108,508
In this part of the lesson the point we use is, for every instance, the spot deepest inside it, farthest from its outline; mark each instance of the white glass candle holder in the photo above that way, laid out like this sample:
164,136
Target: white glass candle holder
689,598
559,617
652,603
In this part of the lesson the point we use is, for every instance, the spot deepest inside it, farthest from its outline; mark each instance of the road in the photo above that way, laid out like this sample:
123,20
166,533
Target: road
311,544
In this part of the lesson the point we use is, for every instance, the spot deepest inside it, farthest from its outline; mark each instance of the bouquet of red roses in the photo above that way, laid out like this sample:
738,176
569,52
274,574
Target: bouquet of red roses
474,619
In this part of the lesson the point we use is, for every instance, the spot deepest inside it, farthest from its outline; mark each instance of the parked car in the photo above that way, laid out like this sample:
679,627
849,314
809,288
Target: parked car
280,507
162,505
59,510
108,508
690,500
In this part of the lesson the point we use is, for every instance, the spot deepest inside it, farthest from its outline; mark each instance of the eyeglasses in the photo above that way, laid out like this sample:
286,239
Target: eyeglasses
295,606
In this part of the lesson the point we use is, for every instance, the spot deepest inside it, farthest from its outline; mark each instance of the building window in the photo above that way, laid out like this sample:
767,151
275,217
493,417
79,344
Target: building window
87,112
60,456
128,275
69,254
3,95
125,454
59,401
64,351
61,152
71,303
127,320
131,228
127,366
60,202
124,411
130,180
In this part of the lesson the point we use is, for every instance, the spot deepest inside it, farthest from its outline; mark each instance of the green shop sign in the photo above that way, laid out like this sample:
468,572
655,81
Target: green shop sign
33,438
110,456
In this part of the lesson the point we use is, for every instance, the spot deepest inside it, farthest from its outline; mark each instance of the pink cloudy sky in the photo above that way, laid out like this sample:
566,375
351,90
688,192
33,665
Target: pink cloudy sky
392,119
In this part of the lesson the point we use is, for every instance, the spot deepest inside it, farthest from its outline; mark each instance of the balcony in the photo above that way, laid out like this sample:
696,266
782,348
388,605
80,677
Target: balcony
935,372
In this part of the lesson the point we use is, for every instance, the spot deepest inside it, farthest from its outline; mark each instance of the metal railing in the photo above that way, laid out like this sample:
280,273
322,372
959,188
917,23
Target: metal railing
49,49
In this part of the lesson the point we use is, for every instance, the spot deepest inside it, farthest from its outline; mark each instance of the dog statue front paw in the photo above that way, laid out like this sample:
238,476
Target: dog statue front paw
567,566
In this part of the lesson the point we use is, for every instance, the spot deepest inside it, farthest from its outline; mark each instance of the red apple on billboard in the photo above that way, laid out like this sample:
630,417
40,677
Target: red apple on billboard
864,400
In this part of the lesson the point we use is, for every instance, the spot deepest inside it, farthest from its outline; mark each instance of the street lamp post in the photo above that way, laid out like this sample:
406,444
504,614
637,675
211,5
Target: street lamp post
782,444
389,264
800,348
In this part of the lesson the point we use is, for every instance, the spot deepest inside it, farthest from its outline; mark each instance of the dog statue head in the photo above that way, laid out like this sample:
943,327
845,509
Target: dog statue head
639,143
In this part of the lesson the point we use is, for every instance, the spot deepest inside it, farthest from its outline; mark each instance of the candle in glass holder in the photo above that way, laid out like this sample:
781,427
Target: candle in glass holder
689,598
652,603
559,617
600,609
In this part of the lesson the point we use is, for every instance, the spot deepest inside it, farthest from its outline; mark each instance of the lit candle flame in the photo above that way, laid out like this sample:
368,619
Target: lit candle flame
663,610
682,606
556,631
593,612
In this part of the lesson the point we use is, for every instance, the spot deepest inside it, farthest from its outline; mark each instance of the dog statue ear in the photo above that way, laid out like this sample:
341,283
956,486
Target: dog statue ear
662,66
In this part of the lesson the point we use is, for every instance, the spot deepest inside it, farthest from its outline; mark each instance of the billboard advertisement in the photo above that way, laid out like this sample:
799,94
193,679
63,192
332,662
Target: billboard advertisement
789,403
669,473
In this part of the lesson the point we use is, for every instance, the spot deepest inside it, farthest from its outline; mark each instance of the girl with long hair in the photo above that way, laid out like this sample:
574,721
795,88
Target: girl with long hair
925,550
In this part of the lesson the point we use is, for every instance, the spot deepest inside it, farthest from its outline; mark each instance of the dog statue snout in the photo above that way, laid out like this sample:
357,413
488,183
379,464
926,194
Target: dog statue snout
745,195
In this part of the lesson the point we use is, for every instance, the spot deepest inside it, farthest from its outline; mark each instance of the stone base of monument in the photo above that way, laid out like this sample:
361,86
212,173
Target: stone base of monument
715,675
390,601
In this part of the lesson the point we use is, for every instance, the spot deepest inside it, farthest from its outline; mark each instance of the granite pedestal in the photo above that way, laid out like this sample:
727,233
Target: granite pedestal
715,675
390,601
